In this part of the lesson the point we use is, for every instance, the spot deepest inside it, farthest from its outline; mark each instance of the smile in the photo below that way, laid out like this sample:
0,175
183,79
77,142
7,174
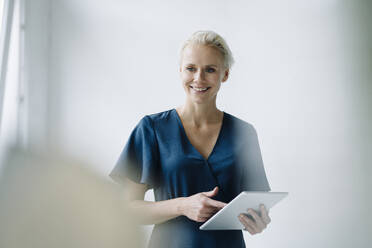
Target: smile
200,89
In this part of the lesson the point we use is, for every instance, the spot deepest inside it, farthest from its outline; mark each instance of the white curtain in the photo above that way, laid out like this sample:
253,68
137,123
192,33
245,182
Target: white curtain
10,74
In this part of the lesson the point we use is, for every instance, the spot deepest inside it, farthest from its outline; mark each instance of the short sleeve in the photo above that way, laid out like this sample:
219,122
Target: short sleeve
138,160
254,176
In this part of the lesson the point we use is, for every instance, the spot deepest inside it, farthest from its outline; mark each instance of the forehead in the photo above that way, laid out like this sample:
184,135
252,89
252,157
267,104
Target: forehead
201,55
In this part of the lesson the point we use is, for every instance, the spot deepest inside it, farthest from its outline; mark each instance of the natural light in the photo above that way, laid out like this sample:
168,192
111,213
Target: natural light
9,73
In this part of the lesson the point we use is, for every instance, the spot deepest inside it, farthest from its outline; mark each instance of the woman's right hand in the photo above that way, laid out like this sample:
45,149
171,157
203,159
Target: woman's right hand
200,207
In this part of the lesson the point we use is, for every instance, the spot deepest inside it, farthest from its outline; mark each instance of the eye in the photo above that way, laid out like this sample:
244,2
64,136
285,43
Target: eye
190,68
211,70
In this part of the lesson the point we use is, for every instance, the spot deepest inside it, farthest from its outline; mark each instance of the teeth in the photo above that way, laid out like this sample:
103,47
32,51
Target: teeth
199,89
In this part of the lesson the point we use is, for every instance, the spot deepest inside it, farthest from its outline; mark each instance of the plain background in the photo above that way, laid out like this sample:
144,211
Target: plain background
302,77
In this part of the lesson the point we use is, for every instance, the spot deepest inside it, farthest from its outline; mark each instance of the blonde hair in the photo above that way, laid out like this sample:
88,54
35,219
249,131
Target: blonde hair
210,38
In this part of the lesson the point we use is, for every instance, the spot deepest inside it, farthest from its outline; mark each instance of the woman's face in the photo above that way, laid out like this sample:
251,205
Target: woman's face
202,72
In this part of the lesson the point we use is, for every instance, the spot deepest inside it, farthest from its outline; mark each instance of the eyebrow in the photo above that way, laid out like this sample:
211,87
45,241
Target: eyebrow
206,65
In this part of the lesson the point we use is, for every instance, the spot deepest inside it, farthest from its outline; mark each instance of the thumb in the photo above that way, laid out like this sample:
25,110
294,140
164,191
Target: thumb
212,192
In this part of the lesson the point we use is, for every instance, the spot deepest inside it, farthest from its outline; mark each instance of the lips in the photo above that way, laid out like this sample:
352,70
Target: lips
200,88
200,91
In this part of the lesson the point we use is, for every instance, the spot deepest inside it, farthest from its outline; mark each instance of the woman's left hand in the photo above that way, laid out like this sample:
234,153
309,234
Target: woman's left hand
258,224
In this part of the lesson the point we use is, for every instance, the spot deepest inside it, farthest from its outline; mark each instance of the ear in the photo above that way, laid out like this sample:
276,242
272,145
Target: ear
226,75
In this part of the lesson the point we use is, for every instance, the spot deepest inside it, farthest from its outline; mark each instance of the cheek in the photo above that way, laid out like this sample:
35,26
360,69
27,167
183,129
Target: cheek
213,78
186,79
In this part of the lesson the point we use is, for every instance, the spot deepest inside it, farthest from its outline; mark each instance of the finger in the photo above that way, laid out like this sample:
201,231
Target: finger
249,229
205,215
201,219
248,224
209,210
265,214
212,192
259,222
214,203
248,221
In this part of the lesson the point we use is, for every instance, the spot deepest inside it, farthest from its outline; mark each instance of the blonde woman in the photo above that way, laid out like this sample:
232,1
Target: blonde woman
196,157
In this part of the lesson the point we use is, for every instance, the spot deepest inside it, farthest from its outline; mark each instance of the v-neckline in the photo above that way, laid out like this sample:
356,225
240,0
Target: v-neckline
188,140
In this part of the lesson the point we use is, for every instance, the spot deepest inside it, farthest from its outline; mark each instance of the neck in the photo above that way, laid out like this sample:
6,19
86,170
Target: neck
200,114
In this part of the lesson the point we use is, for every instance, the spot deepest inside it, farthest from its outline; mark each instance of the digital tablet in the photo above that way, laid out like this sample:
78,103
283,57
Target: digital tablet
227,217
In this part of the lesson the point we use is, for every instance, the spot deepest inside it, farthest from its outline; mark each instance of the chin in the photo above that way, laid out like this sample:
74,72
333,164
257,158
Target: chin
198,100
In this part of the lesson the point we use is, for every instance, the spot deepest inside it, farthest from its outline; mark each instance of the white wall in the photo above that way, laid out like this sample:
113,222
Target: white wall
301,77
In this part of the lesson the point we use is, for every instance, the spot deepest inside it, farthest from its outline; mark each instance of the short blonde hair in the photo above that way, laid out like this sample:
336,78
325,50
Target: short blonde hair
210,38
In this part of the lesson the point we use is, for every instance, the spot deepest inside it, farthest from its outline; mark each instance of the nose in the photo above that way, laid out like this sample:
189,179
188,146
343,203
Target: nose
199,75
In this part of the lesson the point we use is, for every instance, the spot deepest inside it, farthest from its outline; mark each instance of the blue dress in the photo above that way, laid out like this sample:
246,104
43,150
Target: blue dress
159,154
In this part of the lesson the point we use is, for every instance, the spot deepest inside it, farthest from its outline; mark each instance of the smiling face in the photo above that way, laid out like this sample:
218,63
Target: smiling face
202,72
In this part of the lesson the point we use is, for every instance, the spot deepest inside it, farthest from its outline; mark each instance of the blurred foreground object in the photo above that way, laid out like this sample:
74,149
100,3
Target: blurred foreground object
47,202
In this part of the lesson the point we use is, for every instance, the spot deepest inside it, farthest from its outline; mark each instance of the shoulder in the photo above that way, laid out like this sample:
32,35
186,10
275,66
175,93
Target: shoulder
240,125
156,118
159,116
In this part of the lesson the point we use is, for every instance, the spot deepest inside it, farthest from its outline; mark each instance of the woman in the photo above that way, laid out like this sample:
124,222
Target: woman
196,157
